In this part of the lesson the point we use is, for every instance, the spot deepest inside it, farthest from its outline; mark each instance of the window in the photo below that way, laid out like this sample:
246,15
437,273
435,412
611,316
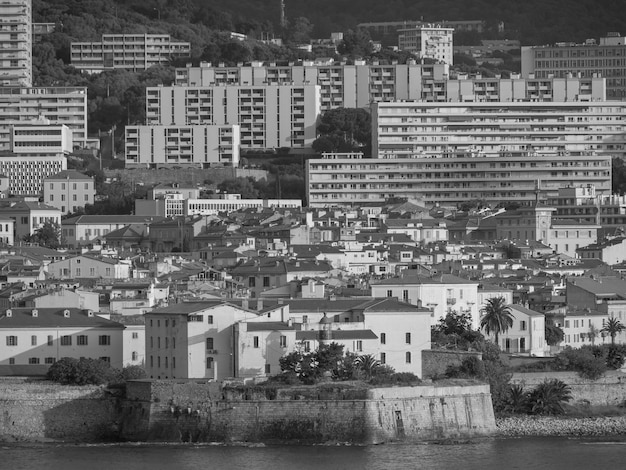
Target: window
408,338
173,343
151,361
255,341
135,335
389,293
359,345
33,340
33,360
283,341
209,343
82,340
66,340
196,318
166,362
167,342
251,282
209,363
266,281
104,340
210,319
173,363
408,357
11,360
566,323
522,325
92,271
49,360
383,358
405,295
11,340
383,338
134,355
50,340
106,359
307,346
268,368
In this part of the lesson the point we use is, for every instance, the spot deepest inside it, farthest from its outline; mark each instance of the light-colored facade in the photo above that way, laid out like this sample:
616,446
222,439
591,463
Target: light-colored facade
134,52
268,116
86,229
451,178
61,105
41,138
87,267
199,146
34,339
214,206
26,174
428,42
30,216
495,128
16,42
69,191
385,28
526,336
7,231
589,59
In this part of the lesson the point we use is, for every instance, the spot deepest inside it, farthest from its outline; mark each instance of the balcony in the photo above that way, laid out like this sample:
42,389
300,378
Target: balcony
450,301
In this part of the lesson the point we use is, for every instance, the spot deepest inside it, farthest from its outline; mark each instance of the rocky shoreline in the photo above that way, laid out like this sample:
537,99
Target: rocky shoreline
521,426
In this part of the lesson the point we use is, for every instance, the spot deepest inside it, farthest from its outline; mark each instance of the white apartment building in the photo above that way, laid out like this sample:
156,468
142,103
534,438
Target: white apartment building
26,173
61,105
133,52
194,146
589,59
350,179
29,217
268,116
16,41
428,42
41,138
69,191
341,85
495,128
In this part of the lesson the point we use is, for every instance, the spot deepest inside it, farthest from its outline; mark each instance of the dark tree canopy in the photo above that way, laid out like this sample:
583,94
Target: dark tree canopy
344,130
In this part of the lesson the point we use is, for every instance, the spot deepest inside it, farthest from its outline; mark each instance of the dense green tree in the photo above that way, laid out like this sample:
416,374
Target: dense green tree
356,44
553,334
48,235
341,129
619,175
497,317
243,186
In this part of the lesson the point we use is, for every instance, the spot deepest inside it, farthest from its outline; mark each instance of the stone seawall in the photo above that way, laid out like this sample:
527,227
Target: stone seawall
379,415
45,411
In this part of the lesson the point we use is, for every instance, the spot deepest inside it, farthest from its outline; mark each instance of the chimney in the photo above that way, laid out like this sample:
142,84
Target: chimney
244,304
259,304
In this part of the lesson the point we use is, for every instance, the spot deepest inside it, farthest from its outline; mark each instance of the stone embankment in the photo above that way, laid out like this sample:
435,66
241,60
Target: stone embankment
519,426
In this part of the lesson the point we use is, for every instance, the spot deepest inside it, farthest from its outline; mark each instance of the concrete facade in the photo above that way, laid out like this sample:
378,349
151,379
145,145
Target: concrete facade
16,42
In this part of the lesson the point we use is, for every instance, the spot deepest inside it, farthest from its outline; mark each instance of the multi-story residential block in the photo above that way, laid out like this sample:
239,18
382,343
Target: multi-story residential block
451,178
587,60
268,116
69,191
538,223
341,85
440,295
390,28
26,174
34,339
86,229
193,340
214,206
29,217
611,251
7,231
16,43
428,42
477,129
134,52
89,267
61,105
41,138
196,146
604,294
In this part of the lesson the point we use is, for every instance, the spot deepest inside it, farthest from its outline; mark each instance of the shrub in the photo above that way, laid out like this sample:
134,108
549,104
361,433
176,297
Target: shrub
133,373
70,371
588,361
517,399
548,397
615,357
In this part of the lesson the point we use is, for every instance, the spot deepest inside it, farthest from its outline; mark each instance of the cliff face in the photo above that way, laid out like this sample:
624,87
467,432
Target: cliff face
192,411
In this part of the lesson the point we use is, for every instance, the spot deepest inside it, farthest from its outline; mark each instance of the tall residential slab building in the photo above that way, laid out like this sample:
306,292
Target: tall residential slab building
16,42
428,42
604,59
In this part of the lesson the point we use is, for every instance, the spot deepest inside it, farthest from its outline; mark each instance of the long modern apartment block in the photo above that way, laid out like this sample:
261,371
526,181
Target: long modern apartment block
606,59
452,178
16,41
133,52
61,105
268,116
197,146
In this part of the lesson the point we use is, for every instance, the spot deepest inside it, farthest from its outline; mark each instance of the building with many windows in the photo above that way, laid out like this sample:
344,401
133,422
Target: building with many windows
26,173
606,59
453,178
16,42
428,42
35,338
69,191
268,116
134,52
30,216
195,146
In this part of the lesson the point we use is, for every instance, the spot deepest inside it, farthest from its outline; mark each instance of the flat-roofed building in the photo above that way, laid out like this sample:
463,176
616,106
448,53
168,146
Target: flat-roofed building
69,191
428,42
16,42
196,146
268,116
134,52
589,59
26,172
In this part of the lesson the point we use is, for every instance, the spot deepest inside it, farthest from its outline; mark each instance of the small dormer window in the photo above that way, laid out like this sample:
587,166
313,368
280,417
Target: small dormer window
35,313
66,313
9,312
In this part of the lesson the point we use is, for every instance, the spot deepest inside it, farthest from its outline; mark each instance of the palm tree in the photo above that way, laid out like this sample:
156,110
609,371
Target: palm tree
613,327
367,364
497,317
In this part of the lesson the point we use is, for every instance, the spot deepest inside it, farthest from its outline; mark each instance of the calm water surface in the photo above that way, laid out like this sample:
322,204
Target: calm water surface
526,454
